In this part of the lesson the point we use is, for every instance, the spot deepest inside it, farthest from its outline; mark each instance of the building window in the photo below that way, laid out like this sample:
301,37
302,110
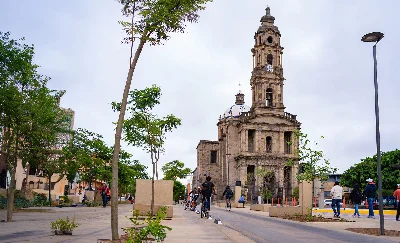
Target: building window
268,142
269,39
251,134
269,59
268,97
288,142
259,40
213,158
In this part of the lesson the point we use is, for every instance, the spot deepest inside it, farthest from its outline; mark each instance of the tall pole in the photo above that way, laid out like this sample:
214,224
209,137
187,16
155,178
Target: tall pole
378,145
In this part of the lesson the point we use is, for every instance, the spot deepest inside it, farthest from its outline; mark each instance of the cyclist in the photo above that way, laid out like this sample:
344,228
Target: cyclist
207,191
228,195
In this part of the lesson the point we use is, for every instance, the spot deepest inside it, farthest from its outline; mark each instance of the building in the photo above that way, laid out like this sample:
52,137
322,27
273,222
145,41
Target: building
37,182
258,139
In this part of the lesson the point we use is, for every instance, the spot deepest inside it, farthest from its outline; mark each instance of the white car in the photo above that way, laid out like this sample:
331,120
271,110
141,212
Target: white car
329,202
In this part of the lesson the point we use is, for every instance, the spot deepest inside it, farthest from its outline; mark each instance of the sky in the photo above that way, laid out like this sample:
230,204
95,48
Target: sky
328,70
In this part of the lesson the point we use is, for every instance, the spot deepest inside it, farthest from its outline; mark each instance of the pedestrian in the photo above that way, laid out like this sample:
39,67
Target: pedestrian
396,194
356,197
370,193
336,194
104,195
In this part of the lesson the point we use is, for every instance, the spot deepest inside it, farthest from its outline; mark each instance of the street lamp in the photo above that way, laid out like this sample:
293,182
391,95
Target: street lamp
376,37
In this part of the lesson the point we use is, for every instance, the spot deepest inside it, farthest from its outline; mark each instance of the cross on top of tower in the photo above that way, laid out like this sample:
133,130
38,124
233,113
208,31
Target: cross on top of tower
267,18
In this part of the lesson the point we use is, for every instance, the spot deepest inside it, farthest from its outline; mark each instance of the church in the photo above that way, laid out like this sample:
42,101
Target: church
255,143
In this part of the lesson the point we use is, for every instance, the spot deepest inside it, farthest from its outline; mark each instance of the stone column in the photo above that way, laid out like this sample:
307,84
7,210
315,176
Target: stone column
246,140
282,142
281,181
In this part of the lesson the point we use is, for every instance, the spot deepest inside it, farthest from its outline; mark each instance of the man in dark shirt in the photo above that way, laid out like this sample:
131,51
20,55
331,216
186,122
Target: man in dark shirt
370,193
207,191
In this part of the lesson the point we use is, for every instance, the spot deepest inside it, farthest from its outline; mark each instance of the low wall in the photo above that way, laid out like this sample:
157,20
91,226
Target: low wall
277,211
260,207
144,209
233,205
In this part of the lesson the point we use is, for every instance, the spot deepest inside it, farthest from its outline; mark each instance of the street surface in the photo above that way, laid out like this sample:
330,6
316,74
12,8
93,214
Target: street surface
261,228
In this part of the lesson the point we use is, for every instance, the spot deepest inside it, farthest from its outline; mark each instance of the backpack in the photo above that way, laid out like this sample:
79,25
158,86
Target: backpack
229,192
207,185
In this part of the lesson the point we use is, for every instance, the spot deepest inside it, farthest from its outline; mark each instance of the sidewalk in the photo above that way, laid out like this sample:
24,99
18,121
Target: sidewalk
187,226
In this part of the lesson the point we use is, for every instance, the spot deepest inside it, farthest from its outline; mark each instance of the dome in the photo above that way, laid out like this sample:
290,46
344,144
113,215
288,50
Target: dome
236,110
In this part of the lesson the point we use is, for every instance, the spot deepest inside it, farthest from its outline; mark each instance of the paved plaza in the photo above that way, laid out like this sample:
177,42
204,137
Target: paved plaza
239,225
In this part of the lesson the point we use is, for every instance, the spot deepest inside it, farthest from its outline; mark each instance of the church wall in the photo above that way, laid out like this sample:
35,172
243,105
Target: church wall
205,165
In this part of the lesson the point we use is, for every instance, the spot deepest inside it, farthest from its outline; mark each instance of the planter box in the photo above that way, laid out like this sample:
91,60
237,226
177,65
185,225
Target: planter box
260,207
62,232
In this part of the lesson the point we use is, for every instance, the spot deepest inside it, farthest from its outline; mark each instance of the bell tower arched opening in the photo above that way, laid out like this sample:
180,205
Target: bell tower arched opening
268,97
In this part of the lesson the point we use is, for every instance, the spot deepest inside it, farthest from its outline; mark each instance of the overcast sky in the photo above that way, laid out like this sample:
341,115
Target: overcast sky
328,70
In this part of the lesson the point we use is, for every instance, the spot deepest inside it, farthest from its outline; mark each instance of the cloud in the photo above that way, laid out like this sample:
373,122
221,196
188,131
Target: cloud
328,71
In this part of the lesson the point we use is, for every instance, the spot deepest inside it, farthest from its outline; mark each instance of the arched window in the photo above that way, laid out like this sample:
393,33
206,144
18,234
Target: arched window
268,142
268,98
269,59
269,39
259,40
259,59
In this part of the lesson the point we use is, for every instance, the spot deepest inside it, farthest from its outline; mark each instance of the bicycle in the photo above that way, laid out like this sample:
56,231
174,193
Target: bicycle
203,210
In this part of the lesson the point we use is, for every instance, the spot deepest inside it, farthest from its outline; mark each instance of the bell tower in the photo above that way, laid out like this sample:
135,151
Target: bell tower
267,75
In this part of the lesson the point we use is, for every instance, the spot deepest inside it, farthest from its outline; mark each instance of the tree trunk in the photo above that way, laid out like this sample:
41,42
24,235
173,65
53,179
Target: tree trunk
11,192
26,189
11,189
152,190
49,189
117,143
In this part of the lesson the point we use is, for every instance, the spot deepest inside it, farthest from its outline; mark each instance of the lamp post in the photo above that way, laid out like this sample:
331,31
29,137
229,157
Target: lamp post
376,37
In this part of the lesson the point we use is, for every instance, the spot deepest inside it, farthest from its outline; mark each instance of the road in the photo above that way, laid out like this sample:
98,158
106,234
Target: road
266,229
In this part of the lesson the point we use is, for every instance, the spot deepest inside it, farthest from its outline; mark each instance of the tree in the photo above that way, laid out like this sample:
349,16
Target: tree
313,163
127,175
174,170
144,129
367,168
152,21
22,91
178,190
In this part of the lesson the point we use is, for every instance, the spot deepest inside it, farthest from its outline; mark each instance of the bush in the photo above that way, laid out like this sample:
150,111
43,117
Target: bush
140,233
63,227
40,200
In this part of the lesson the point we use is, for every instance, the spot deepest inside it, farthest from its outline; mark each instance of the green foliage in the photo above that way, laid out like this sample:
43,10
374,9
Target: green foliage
296,192
312,161
40,200
178,191
151,227
367,168
174,170
156,19
64,226
128,172
65,199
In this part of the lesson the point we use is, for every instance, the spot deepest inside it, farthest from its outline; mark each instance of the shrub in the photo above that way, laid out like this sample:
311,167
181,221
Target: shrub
40,200
153,228
63,227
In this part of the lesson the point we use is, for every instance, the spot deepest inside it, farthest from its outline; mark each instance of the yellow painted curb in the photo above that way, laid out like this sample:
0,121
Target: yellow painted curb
351,211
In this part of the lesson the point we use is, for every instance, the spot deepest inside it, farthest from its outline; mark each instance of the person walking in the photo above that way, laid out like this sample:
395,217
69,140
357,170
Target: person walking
356,197
396,194
336,194
370,193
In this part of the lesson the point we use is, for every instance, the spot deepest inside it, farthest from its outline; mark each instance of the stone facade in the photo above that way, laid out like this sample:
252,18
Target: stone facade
257,138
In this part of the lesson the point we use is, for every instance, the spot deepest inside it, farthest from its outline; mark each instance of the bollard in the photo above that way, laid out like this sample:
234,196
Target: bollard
315,202
295,203
286,201
272,203
278,201
344,203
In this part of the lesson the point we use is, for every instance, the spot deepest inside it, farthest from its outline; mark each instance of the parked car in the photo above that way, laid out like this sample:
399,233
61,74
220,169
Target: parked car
329,202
